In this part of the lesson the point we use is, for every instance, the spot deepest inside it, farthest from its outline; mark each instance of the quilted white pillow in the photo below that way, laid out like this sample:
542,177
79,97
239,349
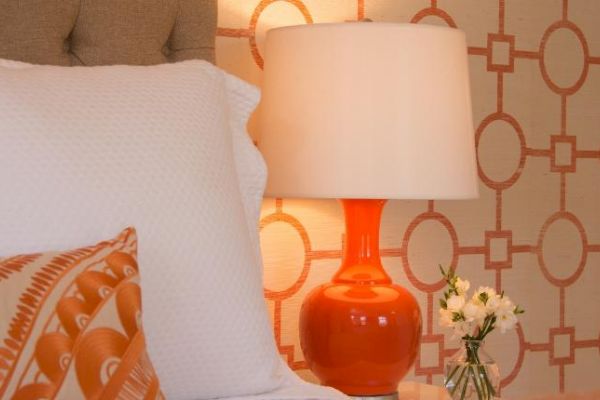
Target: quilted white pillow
249,163
85,152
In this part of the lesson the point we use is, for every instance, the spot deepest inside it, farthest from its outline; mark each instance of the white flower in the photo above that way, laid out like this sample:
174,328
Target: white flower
505,304
462,286
505,314
506,321
474,312
483,292
492,304
446,318
455,303
462,328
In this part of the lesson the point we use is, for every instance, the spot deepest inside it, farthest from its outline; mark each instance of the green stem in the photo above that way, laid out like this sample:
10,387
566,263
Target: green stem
477,383
452,374
483,372
472,355
458,382
487,327
464,390
487,381
475,364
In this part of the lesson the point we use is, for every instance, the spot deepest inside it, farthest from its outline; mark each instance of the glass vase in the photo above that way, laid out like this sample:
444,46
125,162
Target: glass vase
471,373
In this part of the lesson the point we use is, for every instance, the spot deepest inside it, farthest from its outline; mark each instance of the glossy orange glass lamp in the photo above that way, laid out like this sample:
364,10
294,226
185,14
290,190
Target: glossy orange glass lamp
365,112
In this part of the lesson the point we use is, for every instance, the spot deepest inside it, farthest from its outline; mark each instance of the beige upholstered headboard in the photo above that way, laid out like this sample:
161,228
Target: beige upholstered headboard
106,32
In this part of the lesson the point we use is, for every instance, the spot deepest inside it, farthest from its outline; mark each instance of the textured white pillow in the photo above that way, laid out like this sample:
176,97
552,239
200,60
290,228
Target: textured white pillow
249,163
85,152
251,170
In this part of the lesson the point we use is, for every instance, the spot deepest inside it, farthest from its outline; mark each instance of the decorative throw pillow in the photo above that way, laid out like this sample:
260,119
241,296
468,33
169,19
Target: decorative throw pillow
88,150
70,326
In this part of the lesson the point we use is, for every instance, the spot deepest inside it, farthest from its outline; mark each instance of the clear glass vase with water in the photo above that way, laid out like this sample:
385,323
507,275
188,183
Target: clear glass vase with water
471,373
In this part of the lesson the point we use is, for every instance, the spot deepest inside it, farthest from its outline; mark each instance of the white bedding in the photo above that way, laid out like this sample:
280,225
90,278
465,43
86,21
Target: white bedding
294,388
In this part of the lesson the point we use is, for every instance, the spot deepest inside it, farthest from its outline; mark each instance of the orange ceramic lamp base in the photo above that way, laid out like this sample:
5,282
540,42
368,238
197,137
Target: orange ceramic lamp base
360,333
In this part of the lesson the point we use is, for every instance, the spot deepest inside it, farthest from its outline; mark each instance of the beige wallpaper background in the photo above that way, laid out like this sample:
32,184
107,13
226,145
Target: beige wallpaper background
534,232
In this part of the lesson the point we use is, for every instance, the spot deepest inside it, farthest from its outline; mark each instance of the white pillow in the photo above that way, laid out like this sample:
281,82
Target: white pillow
249,163
85,152
250,166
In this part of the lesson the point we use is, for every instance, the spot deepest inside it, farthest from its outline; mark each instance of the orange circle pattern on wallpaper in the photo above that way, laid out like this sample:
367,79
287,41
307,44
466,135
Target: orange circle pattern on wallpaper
535,231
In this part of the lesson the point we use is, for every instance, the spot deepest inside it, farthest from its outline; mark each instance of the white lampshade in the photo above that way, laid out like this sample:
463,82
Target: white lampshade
367,110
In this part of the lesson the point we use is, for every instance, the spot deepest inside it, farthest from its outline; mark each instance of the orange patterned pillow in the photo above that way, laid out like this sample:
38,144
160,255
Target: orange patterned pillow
70,325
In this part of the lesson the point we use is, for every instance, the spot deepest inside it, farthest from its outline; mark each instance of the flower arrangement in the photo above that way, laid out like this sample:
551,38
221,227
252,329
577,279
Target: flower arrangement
476,317
472,319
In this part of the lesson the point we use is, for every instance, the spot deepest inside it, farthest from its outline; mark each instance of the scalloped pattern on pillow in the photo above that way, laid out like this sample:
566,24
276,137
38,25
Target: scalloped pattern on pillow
73,328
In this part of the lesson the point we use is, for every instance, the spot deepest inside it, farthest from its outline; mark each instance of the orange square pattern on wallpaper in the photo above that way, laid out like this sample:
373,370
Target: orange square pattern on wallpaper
535,231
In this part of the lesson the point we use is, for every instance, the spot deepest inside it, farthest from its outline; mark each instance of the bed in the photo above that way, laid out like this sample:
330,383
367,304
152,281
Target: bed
138,33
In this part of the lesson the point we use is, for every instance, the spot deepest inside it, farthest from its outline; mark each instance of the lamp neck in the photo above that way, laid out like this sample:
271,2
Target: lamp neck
361,263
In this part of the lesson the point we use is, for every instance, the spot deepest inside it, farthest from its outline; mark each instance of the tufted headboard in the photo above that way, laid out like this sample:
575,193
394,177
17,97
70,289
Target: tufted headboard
105,32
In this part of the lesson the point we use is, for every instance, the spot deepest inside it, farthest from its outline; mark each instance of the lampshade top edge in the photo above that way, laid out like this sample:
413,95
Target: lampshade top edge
366,25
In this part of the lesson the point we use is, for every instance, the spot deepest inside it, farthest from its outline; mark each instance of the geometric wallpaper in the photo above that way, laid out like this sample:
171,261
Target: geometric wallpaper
535,230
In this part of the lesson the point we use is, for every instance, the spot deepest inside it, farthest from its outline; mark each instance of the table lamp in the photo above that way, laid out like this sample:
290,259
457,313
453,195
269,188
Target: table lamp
365,112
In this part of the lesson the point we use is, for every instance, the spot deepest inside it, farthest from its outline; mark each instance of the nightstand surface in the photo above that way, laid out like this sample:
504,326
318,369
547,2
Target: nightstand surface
420,391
